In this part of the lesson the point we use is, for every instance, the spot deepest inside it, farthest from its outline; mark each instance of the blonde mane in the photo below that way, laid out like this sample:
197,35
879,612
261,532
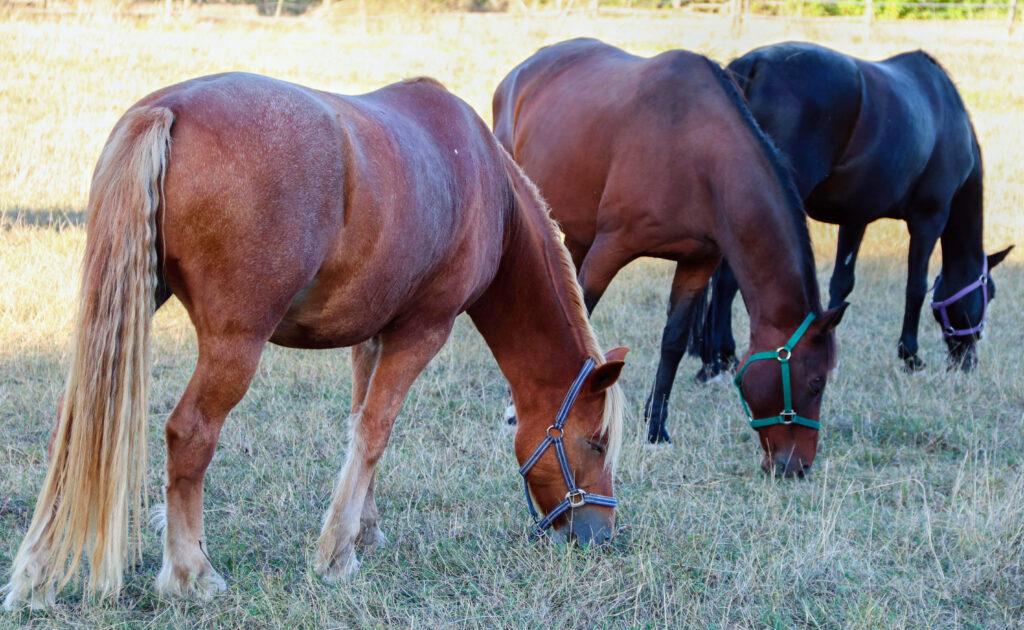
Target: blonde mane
575,309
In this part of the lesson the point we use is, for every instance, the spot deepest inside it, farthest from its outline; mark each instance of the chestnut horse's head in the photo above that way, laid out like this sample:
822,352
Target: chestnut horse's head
567,458
782,389
960,309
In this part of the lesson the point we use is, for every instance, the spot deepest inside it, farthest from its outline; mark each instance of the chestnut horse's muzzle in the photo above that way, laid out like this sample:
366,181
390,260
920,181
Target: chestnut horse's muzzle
575,497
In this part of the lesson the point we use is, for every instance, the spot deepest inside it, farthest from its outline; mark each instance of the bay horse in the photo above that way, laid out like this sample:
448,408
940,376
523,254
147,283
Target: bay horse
659,157
279,213
868,140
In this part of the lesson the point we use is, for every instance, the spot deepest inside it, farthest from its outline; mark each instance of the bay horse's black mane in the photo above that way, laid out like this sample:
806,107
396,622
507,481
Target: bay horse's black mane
785,178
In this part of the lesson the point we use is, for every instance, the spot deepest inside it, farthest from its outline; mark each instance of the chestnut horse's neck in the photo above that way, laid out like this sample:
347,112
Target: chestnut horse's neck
770,248
532,315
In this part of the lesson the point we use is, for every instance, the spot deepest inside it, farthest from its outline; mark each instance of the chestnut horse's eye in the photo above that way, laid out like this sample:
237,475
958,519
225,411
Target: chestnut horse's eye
597,447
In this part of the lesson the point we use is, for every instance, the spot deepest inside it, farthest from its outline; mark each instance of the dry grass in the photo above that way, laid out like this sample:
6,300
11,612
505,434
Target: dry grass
914,516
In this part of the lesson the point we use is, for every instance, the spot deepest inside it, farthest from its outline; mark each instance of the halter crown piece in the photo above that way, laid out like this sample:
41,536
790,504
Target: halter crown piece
947,328
783,354
575,497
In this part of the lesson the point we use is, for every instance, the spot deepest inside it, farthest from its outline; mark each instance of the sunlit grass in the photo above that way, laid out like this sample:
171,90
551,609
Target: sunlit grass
913,516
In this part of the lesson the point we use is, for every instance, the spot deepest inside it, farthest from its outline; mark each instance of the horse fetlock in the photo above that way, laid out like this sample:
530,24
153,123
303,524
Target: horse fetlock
26,590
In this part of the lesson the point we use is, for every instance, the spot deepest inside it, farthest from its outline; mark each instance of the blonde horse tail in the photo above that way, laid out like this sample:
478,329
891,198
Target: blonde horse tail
93,499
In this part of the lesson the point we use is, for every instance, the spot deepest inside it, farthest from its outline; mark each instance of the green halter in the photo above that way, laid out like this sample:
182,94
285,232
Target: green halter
788,416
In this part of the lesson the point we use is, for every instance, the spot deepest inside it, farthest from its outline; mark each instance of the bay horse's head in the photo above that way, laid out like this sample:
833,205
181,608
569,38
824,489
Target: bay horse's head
960,308
782,389
567,460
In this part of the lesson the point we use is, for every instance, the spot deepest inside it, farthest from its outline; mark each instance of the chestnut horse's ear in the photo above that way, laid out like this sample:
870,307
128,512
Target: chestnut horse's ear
605,375
996,258
829,319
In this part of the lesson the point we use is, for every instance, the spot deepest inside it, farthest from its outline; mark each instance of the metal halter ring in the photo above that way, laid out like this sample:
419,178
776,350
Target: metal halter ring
576,499
783,359
561,432
787,414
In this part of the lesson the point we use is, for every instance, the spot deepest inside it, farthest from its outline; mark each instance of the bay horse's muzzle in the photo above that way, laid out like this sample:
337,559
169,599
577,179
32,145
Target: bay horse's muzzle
785,465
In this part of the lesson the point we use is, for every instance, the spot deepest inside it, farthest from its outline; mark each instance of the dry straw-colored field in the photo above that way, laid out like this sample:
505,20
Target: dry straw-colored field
913,517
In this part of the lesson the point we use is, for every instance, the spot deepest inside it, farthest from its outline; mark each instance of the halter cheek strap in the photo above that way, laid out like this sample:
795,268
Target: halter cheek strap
575,497
947,328
783,354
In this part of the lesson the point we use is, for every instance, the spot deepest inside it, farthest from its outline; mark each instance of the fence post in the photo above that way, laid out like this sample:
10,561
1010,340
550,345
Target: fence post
737,17
869,11
1013,15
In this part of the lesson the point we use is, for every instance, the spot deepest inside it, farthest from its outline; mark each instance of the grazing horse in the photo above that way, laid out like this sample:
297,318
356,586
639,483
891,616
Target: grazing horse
867,140
659,157
279,213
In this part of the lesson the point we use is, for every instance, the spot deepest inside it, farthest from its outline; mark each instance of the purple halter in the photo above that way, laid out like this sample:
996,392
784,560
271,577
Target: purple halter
947,328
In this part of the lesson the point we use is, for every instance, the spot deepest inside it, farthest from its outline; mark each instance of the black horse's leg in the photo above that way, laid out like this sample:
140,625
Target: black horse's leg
841,284
923,236
718,346
687,285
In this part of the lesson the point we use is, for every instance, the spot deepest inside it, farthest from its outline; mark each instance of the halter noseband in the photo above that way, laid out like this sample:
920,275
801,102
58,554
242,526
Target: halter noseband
783,354
575,497
947,328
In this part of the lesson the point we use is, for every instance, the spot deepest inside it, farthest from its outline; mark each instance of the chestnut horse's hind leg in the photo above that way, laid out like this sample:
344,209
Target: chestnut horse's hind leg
222,375
688,283
364,361
402,356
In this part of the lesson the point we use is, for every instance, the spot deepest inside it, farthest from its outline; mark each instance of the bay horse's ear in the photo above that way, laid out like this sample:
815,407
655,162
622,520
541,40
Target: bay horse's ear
605,375
996,258
829,319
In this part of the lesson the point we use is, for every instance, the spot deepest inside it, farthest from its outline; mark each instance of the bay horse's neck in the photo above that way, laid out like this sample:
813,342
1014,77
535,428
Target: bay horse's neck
532,315
963,252
766,240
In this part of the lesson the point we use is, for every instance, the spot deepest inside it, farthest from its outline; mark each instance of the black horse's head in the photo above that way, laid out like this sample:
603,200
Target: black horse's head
960,305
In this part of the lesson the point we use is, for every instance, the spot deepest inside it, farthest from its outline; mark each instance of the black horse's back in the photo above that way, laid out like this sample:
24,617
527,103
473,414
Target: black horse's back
874,139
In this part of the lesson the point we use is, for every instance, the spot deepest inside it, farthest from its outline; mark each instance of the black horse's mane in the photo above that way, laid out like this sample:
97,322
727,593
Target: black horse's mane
785,179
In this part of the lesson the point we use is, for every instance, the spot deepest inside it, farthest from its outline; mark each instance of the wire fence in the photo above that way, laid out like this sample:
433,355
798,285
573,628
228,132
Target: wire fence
868,10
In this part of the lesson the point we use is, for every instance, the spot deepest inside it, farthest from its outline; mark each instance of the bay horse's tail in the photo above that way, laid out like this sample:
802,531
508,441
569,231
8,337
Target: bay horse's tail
93,496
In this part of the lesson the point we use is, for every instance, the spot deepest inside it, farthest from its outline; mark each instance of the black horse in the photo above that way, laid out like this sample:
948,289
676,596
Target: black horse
867,140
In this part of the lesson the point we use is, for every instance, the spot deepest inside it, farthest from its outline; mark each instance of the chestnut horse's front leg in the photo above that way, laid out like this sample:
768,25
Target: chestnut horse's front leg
402,355
225,368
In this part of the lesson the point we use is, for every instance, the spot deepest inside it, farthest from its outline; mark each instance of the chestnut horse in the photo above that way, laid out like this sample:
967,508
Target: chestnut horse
868,140
659,157
279,213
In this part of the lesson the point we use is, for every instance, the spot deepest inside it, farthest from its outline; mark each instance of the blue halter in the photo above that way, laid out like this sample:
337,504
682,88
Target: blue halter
575,497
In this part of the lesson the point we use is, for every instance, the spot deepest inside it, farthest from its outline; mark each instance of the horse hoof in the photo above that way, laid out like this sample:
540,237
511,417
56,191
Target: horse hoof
707,374
341,569
205,585
913,363
371,538
658,435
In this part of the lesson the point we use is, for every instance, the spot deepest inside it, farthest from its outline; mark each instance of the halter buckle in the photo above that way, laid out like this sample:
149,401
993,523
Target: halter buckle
571,497
561,432
783,359
787,414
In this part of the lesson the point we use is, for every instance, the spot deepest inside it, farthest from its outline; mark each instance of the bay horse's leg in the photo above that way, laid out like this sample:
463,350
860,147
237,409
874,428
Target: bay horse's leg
923,235
606,256
847,246
223,372
402,356
717,345
687,285
364,361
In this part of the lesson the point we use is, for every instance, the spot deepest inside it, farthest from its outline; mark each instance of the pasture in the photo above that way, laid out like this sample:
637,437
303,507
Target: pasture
912,517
